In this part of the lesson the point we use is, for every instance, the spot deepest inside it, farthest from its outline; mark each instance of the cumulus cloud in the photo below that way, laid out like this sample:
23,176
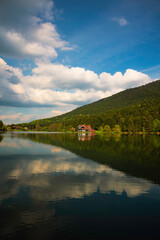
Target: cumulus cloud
131,78
18,117
121,21
63,77
12,116
21,117
56,112
58,85
25,35
10,76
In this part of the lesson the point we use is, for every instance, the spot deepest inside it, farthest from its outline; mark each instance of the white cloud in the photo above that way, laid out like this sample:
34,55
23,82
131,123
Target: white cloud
48,75
60,98
17,117
10,117
60,76
56,112
131,78
25,35
121,21
21,117
17,88
59,85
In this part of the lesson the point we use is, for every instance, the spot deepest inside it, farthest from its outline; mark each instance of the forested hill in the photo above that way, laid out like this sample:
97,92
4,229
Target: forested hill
134,110
123,99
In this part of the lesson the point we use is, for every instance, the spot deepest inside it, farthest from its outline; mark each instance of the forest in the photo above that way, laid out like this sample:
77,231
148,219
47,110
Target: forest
2,127
133,110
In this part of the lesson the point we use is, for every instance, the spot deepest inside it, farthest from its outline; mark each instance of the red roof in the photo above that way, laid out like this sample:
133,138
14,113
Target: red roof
86,127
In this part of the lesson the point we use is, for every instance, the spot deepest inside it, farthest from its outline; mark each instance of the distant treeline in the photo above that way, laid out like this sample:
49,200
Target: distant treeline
134,110
2,127
143,117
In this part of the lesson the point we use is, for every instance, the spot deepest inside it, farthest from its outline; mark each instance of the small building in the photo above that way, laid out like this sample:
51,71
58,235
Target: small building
85,128
16,127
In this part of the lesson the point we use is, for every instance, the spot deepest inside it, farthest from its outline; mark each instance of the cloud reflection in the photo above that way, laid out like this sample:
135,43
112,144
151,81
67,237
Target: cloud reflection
59,178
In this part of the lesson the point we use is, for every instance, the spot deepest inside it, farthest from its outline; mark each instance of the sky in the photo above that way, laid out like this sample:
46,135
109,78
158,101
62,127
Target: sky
58,55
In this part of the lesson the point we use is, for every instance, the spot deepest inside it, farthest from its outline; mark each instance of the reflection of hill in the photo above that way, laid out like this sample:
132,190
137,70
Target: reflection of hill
1,138
135,155
59,179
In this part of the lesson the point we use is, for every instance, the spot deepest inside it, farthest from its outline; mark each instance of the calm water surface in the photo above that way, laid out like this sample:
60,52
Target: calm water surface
70,186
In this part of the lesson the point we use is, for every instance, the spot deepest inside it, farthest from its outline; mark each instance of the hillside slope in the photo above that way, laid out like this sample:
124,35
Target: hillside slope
120,100
133,109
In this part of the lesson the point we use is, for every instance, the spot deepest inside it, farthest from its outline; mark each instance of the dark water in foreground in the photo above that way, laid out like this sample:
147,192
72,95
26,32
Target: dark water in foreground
64,186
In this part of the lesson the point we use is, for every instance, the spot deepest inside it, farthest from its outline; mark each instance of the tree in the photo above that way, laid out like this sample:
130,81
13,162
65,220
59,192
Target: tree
72,129
156,125
37,127
2,127
107,129
130,125
117,129
101,129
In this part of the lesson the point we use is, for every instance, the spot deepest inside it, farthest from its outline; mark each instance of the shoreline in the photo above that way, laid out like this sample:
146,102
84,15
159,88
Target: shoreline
82,132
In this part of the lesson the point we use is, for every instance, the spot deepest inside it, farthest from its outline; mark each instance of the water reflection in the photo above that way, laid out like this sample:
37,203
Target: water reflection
61,174
59,179
138,156
40,177
85,136
1,138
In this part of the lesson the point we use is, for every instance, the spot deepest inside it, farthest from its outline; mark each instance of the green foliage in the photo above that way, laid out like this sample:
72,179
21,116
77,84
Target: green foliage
100,129
156,125
2,127
143,130
72,129
37,127
134,110
117,129
107,129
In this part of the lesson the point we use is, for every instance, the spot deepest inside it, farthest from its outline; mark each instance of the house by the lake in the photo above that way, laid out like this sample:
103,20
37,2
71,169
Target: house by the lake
85,128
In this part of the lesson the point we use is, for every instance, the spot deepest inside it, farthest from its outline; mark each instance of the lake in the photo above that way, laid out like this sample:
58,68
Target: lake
78,186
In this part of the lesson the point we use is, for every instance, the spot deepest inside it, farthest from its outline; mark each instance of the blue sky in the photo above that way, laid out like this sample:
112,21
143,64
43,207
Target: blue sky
58,55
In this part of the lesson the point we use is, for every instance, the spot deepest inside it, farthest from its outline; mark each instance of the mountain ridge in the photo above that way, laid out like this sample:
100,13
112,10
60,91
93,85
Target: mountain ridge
120,94
133,109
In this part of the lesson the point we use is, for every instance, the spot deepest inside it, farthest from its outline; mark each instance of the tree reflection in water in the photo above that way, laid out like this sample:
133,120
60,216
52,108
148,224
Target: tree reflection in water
58,186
